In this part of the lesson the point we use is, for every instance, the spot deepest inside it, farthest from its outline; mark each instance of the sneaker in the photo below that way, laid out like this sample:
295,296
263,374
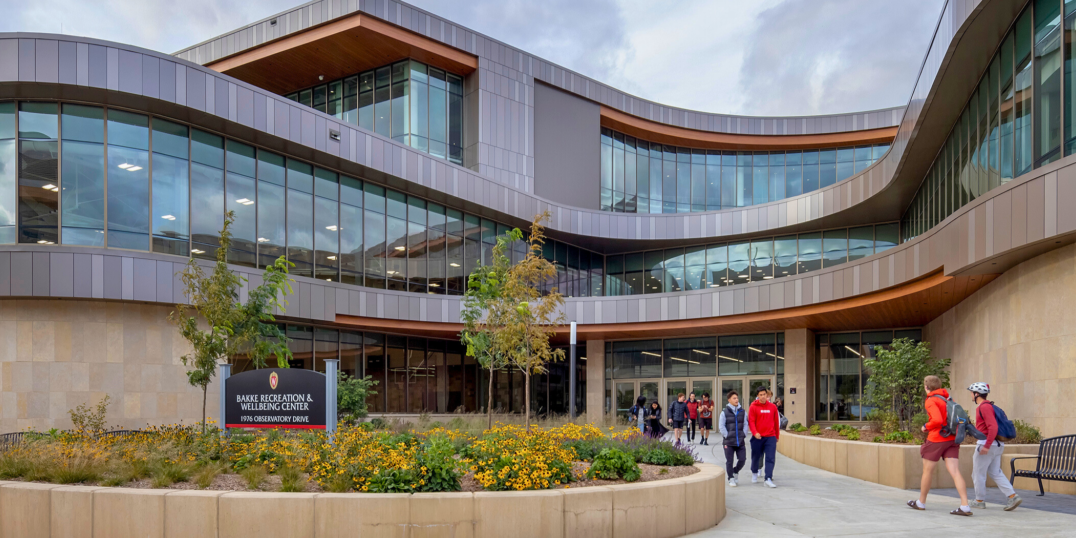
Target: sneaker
770,484
735,481
754,478
978,504
1014,501
732,482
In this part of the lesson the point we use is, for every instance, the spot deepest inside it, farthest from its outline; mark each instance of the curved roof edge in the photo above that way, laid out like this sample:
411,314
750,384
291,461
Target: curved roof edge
499,57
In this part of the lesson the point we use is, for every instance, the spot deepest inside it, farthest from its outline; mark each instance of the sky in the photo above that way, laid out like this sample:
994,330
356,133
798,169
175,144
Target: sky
762,57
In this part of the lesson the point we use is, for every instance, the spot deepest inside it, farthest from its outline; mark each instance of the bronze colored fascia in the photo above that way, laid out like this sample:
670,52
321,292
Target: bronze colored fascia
679,136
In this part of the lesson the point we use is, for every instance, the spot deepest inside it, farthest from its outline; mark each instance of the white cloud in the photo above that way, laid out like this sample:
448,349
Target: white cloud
765,57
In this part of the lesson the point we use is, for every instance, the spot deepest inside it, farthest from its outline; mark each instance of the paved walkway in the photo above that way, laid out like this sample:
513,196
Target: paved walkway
812,502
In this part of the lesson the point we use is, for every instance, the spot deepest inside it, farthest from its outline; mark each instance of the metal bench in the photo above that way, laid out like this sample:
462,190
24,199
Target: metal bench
1056,461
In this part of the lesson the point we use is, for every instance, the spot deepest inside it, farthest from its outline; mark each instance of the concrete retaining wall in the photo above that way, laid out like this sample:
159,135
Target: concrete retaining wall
646,510
900,466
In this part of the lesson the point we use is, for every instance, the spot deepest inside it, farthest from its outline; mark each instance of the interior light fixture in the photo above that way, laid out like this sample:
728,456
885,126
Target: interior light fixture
49,187
434,285
649,353
329,279
453,264
331,258
767,277
707,353
197,251
263,240
124,166
331,228
754,349
401,248
168,217
133,168
42,242
244,201
853,351
728,358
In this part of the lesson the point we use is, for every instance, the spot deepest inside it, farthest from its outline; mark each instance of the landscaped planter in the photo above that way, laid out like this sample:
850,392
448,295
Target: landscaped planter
648,510
899,466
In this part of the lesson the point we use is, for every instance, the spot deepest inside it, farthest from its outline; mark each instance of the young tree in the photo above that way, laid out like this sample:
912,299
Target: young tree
525,318
485,290
232,328
896,377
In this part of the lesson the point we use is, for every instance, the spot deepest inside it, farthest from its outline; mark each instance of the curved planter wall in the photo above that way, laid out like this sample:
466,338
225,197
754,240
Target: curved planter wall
899,466
646,510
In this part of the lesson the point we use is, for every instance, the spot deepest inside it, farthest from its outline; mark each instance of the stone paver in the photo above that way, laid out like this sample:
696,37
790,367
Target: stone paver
812,502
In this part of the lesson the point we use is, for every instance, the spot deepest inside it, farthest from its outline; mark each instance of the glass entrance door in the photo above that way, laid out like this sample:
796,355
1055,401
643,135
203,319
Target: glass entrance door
628,391
674,387
746,387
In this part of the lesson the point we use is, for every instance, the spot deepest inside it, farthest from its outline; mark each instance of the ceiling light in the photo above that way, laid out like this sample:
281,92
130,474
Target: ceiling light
329,279
244,201
707,353
331,258
784,272
124,166
649,353
434,285
134,168
767,277
853,351
754,349
42,242
401,248
168,217
453,264
331,228
262,240
197,251
728,358
49,187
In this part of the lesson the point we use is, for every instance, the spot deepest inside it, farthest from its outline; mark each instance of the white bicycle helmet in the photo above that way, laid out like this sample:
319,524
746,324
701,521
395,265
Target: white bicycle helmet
979,387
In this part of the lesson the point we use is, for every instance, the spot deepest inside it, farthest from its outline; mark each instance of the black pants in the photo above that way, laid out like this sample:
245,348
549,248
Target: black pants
767,446
741,459
691,424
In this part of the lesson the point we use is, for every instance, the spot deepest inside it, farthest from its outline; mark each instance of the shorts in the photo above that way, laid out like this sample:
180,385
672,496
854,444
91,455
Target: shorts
678,424
706,423
932,451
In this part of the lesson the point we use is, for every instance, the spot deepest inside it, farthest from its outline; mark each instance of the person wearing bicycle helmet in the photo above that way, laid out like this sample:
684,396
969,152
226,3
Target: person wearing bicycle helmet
986,460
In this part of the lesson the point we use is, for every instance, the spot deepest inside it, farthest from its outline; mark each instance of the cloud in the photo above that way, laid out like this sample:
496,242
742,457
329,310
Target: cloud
764,57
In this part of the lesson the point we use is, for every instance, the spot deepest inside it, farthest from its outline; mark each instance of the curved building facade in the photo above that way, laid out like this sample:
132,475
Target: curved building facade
382,149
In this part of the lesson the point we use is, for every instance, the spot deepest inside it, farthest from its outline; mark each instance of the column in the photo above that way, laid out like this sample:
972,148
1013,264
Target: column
595,353
800,374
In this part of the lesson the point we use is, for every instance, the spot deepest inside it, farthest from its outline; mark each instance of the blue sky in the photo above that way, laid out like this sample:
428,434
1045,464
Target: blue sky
764,57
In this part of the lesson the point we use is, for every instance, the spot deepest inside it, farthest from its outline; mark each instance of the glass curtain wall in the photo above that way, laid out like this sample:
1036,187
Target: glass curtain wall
411,102
1020,117
39,152
645,177
842,379
693,268
9,174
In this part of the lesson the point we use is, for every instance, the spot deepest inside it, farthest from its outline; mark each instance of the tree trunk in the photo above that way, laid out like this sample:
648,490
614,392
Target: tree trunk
489,405
527,392
205,389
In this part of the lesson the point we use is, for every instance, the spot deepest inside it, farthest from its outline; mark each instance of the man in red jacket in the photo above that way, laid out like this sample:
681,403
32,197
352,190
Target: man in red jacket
765,424
986,459
939,446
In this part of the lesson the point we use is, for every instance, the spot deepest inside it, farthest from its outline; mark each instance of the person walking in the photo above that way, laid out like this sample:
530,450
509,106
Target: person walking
765,424
692,416
940,444
706,415
637,414
986,460
734,434
653,416
678,416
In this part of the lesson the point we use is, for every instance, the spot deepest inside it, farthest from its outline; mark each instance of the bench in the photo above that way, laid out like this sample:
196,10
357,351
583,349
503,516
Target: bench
1056,461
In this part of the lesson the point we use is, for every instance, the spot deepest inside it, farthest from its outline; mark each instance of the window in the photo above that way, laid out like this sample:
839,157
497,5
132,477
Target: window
351,231
171,188
38,173
207,192
82,197
240,198
272,235
691,357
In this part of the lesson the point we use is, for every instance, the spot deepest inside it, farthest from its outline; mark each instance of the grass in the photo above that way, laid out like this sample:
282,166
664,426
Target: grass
78,469
204,477
167,473
475,423
254,475
291,479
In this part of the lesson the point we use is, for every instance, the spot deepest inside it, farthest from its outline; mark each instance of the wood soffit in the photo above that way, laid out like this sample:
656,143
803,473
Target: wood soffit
337,49
909,305
680,136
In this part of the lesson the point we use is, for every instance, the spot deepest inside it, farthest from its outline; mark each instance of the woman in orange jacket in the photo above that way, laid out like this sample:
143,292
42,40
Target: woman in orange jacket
939,446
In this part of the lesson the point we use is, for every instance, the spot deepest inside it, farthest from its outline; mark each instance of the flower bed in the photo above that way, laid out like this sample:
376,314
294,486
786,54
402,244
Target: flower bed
361,459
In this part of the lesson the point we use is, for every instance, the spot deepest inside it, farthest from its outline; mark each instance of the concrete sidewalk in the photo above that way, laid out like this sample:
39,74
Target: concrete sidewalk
812,502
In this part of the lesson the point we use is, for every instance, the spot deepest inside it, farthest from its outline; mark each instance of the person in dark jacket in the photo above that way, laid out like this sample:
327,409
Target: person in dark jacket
653,416
678,416
732,423
637,414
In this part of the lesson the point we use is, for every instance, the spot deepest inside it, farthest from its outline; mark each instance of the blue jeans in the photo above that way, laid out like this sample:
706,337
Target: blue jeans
766,446
642,428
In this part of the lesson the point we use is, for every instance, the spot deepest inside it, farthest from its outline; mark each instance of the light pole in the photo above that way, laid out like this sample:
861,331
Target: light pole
571,376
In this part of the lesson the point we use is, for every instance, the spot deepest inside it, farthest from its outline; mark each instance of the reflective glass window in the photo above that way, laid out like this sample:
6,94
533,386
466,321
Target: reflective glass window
351,231
83,167
746,355
8,174
785,255
171,188
272,234
207,192
810,252
38,173
690,357
301,218
834,247
240,198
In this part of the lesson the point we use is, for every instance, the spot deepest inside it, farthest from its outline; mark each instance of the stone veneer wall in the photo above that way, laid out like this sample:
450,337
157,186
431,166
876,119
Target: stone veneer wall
57,354
1018,334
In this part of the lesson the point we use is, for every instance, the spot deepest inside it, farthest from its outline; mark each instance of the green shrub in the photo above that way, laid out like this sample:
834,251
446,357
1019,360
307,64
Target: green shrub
899,437
89,420
611,464
852,434
795,426
838,427
877,439
438,468
378,423
1026,434
351,393
816,430
883,421
918,421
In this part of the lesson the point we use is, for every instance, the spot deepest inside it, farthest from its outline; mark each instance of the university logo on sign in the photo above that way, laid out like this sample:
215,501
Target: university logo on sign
293,398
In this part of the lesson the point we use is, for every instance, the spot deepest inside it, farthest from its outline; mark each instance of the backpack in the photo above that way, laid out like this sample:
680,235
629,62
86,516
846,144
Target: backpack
957,421
1006,428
